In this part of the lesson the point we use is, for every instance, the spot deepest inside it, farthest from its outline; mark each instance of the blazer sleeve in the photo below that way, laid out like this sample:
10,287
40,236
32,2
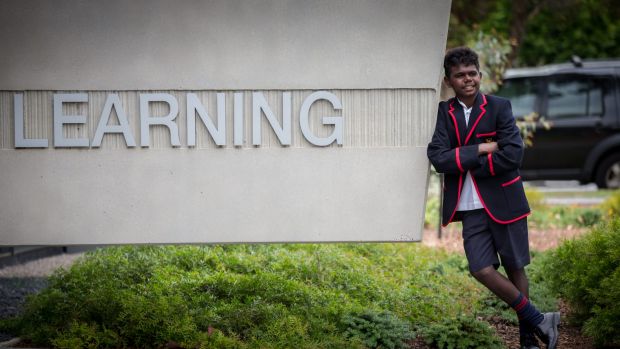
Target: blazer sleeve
510,153
444,157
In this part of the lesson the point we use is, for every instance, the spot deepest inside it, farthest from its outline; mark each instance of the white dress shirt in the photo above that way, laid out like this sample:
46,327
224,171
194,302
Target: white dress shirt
469,199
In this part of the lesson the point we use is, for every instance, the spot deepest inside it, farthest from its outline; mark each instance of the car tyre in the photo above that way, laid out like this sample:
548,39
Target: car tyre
608,172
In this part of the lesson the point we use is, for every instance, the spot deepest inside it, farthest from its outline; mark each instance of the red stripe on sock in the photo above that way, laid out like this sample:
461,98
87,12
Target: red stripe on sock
521,304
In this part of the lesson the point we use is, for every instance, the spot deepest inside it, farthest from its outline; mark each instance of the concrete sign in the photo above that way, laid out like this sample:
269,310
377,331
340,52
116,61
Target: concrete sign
216,121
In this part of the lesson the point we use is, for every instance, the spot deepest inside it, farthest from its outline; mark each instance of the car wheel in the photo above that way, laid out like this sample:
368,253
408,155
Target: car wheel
608,172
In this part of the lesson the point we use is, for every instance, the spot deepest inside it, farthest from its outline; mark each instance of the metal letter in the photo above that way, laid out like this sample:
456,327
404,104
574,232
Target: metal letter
20,141
60,119
238,120
113,101
146,120
260,104
194,106
327,120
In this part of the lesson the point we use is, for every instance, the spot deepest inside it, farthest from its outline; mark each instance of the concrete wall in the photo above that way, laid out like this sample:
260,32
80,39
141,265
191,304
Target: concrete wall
232,44
381,59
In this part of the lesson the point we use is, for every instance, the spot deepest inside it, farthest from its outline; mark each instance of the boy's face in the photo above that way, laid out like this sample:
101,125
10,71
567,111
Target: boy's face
464,80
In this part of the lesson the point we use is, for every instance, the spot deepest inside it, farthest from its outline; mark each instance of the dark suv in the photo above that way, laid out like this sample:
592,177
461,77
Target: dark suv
581,102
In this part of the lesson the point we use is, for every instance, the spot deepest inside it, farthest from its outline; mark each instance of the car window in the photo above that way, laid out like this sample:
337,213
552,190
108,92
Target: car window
522,93
574,96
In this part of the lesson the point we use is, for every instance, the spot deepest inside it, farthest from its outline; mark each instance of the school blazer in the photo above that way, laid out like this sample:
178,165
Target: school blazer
453,151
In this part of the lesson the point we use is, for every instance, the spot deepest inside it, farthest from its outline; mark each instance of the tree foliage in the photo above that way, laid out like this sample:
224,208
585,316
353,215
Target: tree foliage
540,31
588,28
493,53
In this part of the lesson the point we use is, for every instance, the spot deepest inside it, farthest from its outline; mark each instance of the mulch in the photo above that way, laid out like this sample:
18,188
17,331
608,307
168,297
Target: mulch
570,336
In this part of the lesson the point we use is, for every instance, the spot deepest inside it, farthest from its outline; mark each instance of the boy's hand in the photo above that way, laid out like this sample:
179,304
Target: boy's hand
485,148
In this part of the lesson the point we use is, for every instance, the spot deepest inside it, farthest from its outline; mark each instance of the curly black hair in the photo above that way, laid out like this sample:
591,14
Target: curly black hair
460,55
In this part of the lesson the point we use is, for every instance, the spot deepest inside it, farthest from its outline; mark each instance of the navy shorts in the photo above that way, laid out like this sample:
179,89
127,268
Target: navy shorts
485,239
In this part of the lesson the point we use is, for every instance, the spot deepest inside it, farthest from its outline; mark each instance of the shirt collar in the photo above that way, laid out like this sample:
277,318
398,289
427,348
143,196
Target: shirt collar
465,108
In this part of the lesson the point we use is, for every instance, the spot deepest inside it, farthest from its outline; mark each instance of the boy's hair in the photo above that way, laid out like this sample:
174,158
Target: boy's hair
459,55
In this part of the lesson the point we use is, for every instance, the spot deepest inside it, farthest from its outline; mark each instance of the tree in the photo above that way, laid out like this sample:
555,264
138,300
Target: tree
587,28
540,31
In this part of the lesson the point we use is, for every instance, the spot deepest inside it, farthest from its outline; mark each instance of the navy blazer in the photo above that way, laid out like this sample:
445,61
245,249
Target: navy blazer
453,151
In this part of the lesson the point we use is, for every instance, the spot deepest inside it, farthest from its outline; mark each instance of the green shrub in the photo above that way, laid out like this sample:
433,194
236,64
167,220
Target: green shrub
589,218
611,206
541,292
83,335
378,329
461,332
216,339
586,272
247,296
545,216
431,213
566,216
535,199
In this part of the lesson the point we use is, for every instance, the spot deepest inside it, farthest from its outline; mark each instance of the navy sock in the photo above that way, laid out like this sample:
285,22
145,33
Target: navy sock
526,311
525,328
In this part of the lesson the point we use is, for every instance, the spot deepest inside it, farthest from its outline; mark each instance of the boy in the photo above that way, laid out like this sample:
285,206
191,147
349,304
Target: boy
478,147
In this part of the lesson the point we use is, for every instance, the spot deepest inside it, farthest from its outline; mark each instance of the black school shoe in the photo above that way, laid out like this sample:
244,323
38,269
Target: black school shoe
547,330
528,341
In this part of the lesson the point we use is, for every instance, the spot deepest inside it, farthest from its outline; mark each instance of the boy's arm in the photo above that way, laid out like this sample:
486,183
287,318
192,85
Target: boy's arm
509,154
446,159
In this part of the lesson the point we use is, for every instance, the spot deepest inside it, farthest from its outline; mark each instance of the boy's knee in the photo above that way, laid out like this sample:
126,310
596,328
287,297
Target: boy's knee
483,273
515,271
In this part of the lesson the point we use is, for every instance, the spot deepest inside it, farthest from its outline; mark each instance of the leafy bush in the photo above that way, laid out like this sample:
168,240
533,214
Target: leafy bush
433,195
611,206
535,199
83,335
541,292
431,213
586,272
462,332
248,296
545,216
566,216
378,329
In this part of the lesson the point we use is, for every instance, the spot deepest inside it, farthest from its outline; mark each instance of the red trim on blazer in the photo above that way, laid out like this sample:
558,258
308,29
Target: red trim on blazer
456,125
458,159
484,111
458,198
511,181
489,134
491,164
489,212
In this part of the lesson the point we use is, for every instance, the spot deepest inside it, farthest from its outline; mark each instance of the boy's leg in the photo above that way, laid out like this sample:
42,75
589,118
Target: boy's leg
483,240
513,247
507,291
497,283
518,277
479,244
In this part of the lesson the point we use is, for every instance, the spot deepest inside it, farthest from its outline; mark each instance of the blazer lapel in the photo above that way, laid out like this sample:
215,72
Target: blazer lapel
458,118
477,113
